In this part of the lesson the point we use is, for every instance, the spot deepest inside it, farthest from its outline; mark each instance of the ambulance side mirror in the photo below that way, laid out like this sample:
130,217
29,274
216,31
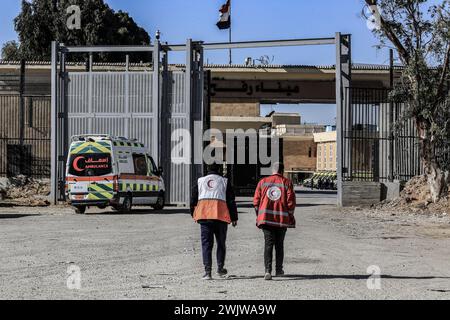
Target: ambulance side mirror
160,171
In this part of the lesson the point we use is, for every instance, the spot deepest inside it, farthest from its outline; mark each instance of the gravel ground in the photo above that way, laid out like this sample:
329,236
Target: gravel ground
156,255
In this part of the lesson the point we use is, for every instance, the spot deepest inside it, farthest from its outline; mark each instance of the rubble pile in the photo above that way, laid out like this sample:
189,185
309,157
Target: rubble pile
4,183
26,191
416,198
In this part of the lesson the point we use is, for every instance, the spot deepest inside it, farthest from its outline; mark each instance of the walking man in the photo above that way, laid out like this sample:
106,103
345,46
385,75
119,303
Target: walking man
274,202
213,206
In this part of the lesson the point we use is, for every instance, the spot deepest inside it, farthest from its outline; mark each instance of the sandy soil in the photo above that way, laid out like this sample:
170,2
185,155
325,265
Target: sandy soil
156,255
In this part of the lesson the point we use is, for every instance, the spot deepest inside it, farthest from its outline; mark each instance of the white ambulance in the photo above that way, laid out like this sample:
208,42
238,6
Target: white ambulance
111,171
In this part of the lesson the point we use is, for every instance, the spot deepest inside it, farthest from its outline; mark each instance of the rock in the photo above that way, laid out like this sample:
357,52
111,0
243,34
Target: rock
26,191
4,183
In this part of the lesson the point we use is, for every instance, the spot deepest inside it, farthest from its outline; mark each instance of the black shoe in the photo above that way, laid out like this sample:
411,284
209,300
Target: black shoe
279,273
222,272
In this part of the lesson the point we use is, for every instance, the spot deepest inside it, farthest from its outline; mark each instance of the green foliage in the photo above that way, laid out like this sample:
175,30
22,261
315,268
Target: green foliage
10,51
420,31
42,21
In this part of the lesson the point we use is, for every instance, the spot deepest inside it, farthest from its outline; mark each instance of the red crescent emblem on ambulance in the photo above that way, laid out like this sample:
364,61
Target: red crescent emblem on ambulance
75,164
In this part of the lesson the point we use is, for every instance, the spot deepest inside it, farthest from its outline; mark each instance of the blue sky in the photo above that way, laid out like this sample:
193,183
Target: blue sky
252,20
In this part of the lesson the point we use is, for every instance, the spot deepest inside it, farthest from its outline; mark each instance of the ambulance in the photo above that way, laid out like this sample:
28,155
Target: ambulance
104,171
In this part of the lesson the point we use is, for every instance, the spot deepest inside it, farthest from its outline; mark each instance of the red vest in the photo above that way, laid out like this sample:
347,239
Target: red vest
275,201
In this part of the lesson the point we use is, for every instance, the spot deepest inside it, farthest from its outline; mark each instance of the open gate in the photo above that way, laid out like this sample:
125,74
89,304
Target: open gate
154,105
147,105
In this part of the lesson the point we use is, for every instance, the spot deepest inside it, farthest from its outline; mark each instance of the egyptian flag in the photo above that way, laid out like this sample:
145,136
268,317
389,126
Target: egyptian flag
225,16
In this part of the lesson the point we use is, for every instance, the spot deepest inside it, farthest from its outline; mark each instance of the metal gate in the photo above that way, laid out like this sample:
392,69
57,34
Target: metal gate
183,113
25,126
146,105
372,150
25,136
152,106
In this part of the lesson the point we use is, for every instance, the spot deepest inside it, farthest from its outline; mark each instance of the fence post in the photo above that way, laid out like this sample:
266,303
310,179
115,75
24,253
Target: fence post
343,77
53,145
22,117
391,118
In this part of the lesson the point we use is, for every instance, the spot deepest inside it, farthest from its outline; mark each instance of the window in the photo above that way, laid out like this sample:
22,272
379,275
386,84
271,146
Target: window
310,152
152,166
140,164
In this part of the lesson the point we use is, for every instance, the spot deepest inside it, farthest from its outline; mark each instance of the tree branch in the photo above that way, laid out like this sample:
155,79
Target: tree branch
391,35
445,69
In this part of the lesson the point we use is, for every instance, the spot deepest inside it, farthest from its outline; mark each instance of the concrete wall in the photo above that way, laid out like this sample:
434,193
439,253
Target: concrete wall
286,119
244,123
365,194
360,194
235,109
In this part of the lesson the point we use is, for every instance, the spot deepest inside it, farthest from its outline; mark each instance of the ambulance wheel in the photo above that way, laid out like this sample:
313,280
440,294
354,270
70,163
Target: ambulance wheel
159,205
80,209
127,204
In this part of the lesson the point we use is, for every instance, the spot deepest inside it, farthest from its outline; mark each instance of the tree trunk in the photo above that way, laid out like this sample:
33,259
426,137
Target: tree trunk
436,177
436,181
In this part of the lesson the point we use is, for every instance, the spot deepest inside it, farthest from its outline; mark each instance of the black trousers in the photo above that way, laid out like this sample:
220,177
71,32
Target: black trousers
274,237
209,229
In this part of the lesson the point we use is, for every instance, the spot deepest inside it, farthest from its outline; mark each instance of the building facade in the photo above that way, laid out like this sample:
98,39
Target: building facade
326,151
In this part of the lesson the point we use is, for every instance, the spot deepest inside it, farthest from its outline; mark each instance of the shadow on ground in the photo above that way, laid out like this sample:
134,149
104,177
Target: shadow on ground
17,215
141,212
246,205
290,277
325,192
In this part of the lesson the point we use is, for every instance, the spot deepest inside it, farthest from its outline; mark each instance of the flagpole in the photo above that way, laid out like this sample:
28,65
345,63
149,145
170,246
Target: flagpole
229,37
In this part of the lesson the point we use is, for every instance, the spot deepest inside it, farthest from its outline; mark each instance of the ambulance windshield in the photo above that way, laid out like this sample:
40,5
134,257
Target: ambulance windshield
90,164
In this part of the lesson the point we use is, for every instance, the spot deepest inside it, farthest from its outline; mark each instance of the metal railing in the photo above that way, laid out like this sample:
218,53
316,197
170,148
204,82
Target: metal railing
25,110
373,149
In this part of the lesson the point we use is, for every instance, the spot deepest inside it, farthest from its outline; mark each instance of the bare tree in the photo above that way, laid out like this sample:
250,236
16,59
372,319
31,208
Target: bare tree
420,32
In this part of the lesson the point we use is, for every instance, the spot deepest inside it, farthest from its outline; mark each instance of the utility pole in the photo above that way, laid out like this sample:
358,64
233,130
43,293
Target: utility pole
229,38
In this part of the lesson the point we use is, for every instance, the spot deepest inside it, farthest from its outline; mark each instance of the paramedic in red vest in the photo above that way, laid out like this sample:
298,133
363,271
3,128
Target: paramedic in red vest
213,206
274,203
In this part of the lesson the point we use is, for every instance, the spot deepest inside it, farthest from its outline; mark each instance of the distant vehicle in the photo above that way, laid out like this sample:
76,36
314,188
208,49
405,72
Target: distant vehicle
104,171
322,181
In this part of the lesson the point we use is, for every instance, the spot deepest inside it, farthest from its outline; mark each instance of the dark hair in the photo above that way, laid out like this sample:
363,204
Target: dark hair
213,167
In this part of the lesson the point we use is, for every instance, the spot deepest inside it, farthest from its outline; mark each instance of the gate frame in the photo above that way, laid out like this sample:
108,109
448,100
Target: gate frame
343,67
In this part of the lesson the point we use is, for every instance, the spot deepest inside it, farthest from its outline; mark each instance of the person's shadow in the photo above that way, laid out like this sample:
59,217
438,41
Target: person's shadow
290,277
143,211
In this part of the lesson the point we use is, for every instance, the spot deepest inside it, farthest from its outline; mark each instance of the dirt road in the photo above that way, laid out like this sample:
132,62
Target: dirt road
156,255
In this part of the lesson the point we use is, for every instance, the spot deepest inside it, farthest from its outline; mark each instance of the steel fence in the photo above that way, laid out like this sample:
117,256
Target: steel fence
25,135
377,144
